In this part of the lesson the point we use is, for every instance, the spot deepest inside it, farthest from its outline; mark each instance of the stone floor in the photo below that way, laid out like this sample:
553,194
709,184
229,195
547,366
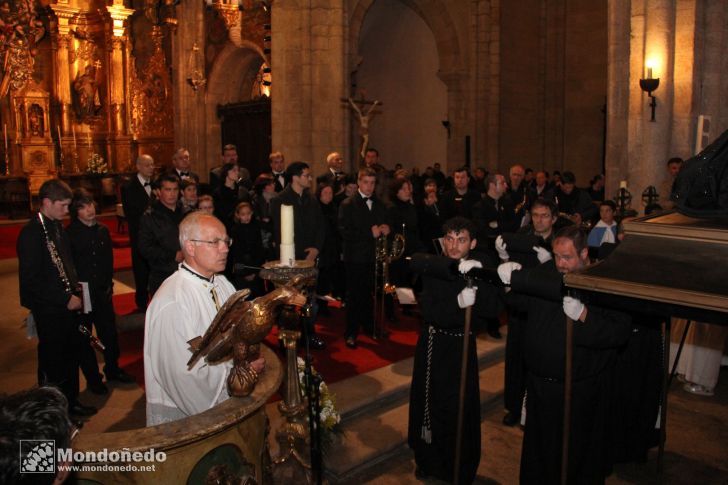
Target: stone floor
697,446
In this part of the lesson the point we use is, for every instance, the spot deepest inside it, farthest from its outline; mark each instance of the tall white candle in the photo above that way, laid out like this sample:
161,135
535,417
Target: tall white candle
623,184
286,224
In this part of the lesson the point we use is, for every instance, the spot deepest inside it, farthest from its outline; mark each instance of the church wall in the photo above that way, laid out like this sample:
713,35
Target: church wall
553,86
308,118
399,68
686,41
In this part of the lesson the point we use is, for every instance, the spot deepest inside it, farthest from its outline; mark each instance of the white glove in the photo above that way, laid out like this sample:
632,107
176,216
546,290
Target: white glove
500,246
573,307
505,270
466,297
467,264
542,254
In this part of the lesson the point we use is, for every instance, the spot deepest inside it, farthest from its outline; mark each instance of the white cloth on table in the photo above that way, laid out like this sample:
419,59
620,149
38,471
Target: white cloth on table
181,310
702,353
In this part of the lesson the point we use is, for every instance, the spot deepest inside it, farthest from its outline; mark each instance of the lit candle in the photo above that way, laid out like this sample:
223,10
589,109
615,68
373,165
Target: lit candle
623,184
649,73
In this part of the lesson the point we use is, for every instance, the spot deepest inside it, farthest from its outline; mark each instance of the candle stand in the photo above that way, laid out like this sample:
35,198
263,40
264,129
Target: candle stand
293,463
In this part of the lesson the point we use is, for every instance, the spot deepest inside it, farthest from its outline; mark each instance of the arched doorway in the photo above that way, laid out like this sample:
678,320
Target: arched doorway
406,54
237,113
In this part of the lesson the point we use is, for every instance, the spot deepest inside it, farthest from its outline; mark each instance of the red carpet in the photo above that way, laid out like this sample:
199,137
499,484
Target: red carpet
122,253
335,363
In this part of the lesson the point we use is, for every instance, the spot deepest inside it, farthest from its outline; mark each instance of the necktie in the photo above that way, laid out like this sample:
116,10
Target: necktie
369,202
147,184
184,174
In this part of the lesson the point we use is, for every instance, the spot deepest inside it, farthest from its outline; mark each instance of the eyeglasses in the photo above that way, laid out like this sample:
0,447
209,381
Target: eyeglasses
216,242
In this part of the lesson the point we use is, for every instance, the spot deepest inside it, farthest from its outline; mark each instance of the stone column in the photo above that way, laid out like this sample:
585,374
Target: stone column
648,168
454,80
307,114
119,141
619,86
64,14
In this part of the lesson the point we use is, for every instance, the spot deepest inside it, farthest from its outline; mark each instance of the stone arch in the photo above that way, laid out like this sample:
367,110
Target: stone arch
437,18
231,80
451,57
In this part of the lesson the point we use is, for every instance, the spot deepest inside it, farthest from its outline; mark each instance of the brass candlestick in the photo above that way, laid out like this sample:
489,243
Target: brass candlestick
293,463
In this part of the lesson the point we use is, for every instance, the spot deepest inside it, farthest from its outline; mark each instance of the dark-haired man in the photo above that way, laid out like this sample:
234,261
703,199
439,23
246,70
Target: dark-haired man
539,235
94,259
573,202
461,199
34,415
158,231
309,228
597,333
229,155
438,356
49,289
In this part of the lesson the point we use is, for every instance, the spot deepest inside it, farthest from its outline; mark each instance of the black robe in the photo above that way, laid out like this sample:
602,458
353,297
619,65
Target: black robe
595,345
444,321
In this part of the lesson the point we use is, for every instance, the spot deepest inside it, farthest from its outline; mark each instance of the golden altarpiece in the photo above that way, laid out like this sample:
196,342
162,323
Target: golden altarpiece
76,87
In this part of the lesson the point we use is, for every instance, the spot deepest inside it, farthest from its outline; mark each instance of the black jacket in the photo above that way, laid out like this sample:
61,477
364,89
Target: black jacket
453,204
308,220
41,287
159,241
355,227
93,255
135,201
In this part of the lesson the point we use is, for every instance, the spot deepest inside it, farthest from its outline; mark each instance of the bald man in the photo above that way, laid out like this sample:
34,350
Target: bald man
182,309
136,195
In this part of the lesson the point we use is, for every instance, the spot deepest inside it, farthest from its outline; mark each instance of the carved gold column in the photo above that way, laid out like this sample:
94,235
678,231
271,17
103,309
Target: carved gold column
64,14
120,142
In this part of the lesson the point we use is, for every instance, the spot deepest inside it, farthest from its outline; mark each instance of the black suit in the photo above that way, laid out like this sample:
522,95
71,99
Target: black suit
453,204
44,293
277,181
355,226
135,200
191,175
159,242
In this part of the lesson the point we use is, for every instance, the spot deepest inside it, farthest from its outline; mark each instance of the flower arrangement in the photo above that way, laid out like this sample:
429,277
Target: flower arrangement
96,164
330,417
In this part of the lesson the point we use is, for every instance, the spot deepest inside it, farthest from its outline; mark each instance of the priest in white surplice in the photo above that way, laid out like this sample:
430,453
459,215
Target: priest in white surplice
183,308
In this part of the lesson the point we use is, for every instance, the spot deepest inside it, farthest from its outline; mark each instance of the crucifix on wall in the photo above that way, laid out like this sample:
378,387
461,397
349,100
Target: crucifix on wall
365,114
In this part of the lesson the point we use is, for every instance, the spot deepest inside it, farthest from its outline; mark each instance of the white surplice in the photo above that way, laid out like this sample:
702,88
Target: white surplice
181,310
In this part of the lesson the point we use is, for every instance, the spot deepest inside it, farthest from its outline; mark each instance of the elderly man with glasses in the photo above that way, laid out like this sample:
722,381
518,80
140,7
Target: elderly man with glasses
183,308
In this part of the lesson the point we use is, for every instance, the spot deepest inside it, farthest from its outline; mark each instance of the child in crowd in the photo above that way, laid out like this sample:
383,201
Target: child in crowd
188,195
604,237
246,250
94,260
205,204
265,190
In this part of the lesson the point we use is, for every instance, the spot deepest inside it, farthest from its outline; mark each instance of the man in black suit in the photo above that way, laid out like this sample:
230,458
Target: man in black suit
136,195
181,165
461,199
278,170
49,288
229,155
335,176
309,231
159,231
361,221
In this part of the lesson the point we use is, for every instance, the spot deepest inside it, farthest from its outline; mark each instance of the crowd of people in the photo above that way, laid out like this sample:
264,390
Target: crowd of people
478,247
